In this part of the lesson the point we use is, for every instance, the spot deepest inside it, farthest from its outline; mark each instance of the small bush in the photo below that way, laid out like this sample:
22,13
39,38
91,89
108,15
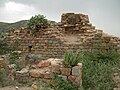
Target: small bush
63,85
98,69
3,78
4,48
71,59
97,76
37,22
43,85
13,56
14,59
19,65
103,56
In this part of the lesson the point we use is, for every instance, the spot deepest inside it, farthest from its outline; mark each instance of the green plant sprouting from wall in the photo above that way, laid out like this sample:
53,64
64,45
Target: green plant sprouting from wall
37,22
71,59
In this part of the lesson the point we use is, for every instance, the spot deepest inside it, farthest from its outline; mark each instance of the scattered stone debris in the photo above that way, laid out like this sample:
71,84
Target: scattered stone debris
46,69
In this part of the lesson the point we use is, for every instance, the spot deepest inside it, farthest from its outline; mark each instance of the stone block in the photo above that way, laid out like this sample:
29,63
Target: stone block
34,66
55,62
106,39
48,76
65,71
22,73
34,85
76,71
75,80
2,62
11,66
72,78
36,74
78,81
32,58
43,64
116,79
22,76
116,89
56,69
63,77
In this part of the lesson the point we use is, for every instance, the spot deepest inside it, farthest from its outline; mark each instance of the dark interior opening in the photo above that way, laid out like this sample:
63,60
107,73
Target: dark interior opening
30,47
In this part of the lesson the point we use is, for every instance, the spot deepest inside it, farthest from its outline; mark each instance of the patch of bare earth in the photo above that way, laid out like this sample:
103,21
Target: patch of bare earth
13,88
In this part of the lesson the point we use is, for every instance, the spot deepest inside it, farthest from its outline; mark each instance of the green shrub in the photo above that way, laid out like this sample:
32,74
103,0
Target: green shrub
63,85
98,68
4,80
3,35
103,56
3,77
13,56
71,59
43,85
97,76
4,48
37,22
14,59
19,65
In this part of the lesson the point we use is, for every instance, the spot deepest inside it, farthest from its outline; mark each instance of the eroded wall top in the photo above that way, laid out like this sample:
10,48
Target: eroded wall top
72,18
75,33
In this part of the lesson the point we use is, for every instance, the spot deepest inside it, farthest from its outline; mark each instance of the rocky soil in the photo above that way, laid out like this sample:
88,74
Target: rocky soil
13,88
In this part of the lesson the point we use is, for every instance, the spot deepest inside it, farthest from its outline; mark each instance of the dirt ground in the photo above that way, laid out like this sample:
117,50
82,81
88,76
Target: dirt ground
13,88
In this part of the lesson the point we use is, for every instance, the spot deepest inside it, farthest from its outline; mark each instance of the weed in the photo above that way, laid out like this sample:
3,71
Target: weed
71,59
63,84
98,67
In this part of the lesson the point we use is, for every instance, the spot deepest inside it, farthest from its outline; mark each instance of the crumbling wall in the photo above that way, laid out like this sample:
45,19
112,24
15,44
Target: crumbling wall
48,42
52,42
46,71
72,18
75,23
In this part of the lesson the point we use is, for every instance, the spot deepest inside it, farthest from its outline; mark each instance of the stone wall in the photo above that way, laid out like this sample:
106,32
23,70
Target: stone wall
74,33
45,71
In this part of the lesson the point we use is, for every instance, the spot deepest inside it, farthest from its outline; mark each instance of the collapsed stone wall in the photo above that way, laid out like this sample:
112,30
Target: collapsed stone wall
75,33
46,70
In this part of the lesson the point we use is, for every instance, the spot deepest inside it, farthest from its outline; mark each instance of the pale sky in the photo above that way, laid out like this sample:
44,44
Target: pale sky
104,14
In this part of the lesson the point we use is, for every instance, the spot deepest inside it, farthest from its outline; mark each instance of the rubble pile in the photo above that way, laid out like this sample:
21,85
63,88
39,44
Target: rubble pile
45,71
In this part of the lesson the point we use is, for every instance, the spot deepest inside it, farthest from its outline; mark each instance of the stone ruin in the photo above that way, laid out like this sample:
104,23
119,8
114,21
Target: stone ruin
74,33
75,23
44,71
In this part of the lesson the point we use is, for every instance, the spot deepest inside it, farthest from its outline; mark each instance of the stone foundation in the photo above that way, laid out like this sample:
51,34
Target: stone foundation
45,71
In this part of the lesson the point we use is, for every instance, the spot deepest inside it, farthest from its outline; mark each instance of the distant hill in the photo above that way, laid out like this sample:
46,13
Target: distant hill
4,27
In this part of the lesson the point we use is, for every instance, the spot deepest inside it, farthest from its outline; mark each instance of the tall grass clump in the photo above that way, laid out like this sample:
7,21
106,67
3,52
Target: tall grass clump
61,84
71,59
98,68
